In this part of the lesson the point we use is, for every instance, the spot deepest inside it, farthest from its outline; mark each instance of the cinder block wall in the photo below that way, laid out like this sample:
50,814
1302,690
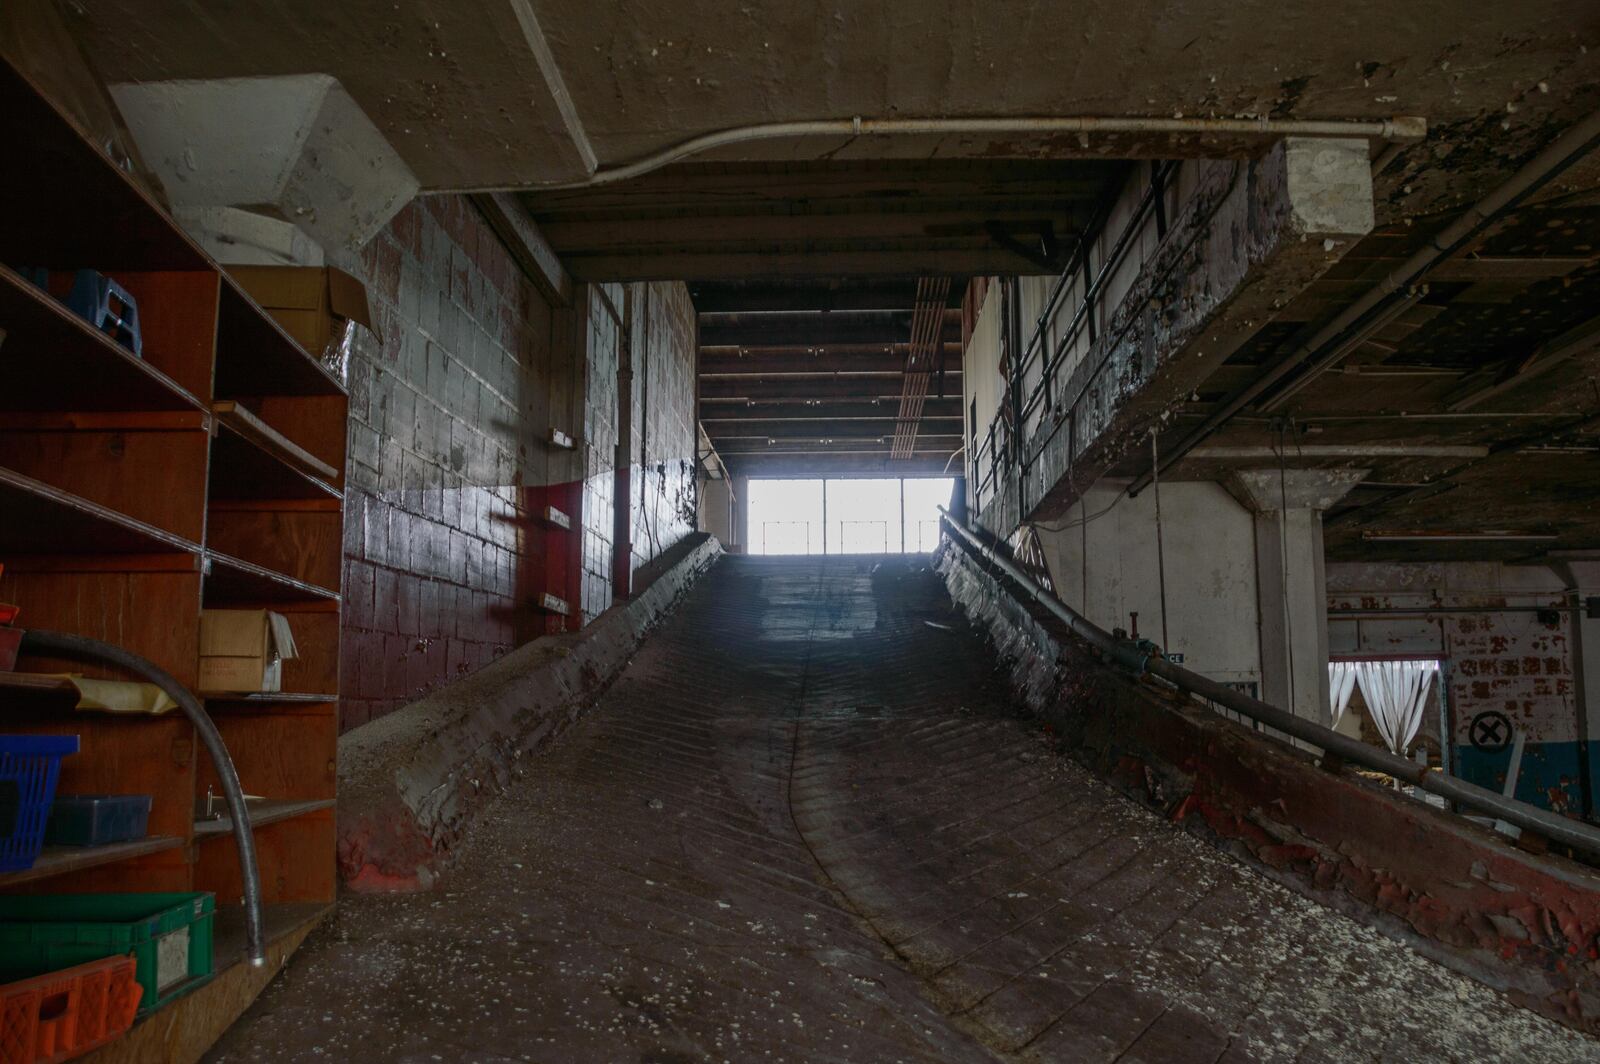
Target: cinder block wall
599,445
664,488
451,465
660,328
443,420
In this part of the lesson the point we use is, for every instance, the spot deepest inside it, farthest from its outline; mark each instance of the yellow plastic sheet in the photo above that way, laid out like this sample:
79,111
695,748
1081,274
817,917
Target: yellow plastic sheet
120,696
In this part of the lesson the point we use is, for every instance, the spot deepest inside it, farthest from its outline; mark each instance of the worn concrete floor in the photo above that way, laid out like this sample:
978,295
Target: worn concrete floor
803,826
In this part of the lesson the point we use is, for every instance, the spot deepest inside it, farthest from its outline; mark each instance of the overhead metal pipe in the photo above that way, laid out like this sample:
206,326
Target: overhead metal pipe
1138,660
1566,150
1405,128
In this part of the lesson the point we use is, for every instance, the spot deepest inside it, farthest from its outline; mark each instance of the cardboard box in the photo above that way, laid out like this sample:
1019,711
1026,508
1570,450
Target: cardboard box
244,650
318,306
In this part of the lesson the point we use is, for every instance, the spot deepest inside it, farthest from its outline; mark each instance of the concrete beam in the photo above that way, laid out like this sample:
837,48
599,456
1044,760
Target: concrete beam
296,147
723,361
1265,491
840,258
723,414
702,190
878,464
538,260
753,231
811,429
1250,238
733,298
778,388
816,328
813,445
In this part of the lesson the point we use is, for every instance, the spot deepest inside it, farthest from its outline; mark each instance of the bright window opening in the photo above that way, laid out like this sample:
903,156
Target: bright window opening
888,515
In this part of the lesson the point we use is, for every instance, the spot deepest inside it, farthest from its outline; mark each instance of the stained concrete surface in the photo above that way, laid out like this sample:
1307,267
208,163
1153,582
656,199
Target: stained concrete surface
461,93
803,825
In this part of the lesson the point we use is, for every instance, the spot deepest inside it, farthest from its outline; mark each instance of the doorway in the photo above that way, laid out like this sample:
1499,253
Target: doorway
860,515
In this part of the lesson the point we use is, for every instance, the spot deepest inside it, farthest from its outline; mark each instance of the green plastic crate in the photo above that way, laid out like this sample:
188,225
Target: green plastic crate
169,936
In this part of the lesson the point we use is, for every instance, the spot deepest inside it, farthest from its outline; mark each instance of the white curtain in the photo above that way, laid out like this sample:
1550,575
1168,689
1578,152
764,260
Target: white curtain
1341,682
1395,692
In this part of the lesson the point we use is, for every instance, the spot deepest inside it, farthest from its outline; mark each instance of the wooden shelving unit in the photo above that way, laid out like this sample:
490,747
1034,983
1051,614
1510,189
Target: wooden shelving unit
261,815
59,860
135,491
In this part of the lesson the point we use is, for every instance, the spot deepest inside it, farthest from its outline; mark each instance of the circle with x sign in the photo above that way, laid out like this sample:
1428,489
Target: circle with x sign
1490,731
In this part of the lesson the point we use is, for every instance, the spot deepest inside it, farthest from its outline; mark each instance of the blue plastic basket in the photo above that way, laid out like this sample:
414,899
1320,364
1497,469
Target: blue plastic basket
29,765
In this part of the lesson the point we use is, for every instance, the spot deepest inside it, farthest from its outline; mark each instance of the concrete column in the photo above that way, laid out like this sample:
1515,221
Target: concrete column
1247,238
1581,570
294,147
716,511
1209,563
1291,580
741,513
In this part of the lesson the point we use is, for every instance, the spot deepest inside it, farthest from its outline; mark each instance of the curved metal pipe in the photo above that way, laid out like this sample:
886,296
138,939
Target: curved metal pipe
62,644
1400,128
1556,828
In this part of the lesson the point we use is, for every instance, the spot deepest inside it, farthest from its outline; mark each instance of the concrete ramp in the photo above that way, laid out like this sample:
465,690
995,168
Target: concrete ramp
806,824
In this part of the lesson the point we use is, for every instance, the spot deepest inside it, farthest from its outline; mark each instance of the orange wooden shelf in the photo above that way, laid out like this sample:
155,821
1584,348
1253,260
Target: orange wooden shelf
59,860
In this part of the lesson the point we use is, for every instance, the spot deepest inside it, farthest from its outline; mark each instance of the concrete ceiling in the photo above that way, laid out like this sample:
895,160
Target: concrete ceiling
781,237
467,90
800,377
903,218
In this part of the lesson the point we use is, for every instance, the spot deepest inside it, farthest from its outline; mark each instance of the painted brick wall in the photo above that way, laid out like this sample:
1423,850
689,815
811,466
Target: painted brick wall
451,465
449,460
1511,662
1521,666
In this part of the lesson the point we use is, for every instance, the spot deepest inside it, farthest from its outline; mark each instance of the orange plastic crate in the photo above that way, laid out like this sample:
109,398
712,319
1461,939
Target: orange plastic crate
63,1014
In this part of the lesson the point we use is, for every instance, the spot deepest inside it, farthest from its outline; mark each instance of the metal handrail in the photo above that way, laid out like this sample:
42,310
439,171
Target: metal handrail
1050,357
1138,659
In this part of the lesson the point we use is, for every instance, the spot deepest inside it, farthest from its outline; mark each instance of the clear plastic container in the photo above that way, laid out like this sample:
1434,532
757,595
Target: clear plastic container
97,819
